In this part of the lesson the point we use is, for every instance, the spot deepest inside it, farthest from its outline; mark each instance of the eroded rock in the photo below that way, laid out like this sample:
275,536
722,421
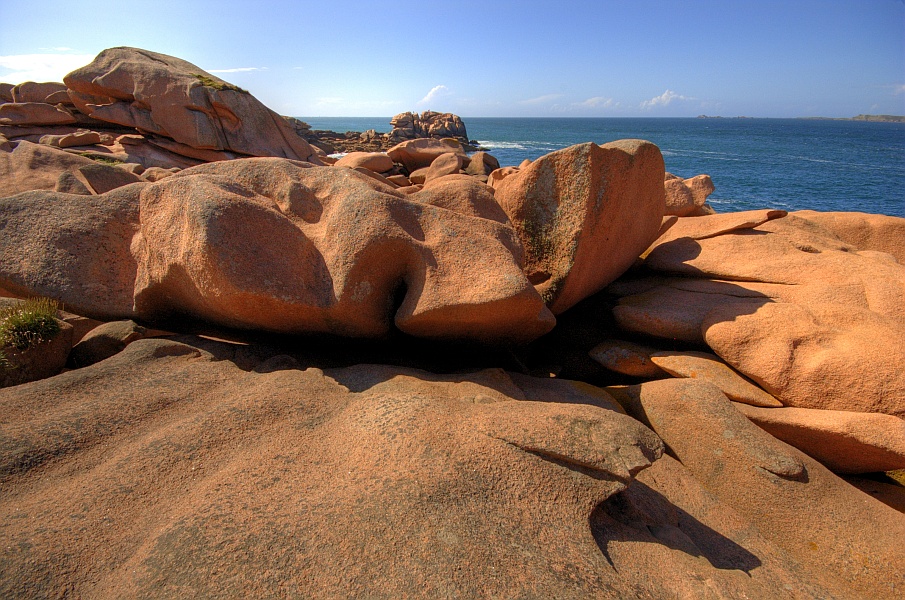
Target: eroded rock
584,214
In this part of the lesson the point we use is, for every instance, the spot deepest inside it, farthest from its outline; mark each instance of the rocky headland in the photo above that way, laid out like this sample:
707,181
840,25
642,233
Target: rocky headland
414,372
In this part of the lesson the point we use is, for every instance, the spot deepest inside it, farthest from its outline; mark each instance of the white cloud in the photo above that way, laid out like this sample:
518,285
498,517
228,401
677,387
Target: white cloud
438,91
664,99
598,102
17,68
237,70
899,89
541,99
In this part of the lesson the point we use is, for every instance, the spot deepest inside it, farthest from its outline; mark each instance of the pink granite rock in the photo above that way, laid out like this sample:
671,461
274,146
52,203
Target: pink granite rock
420,153
171,97
584,214
708,367
377,162
843,441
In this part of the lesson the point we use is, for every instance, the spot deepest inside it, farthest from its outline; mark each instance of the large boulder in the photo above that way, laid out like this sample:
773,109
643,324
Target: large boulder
75,249
35,113
35,167
843,538
172,459
810,317
584,214
281,246
169,460
420,153
686,197
30,91
377,162
171,97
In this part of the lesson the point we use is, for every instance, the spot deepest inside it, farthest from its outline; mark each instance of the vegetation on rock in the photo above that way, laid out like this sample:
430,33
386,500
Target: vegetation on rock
27,324
217,85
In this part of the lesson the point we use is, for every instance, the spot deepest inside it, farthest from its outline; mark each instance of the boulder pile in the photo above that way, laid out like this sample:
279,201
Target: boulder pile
418,373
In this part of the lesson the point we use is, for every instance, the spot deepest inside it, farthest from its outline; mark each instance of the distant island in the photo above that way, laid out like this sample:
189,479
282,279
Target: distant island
872,118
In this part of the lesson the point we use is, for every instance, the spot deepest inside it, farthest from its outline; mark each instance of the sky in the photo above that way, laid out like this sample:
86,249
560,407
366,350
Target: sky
581,58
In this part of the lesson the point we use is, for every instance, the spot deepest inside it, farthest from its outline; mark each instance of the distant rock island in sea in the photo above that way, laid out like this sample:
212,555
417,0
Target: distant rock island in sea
234,366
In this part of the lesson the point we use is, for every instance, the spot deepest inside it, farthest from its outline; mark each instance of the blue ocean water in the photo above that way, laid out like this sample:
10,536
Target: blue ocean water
755,163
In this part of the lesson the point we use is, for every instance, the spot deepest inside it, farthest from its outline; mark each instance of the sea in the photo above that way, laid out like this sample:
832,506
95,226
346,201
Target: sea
791,164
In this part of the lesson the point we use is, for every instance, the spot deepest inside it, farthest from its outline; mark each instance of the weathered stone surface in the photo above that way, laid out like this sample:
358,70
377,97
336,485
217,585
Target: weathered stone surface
98,178
282,246
784,302
627,358
498,175
708,367
584,214
35,167
351,482
844,441
443,165
400,180
6,92
482,163
686,197
34,113
420,153
334,269
157,173
826,356
378,162
82,138
40,361
674,538
171,97
75,249
714,225
30,91
863,231
104,341
847,541
464,195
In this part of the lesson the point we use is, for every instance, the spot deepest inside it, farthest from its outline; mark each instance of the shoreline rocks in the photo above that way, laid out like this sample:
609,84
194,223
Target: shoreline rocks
383,403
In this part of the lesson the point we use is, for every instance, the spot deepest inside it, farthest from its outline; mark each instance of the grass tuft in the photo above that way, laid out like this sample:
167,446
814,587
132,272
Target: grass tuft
101,159
218,85
27,324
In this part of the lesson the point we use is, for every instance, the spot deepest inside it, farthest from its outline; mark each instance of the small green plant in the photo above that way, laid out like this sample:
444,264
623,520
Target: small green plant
217,85
27,324
101,159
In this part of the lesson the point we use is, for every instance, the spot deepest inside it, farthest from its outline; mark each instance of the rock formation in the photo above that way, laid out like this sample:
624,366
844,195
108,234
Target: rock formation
279,246
391,408
584,214
170,97
429,124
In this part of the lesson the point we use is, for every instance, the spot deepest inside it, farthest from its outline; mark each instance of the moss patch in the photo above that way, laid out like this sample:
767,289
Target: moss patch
218,85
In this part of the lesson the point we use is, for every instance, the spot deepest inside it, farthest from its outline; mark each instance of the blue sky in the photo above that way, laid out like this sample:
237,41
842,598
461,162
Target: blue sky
765,58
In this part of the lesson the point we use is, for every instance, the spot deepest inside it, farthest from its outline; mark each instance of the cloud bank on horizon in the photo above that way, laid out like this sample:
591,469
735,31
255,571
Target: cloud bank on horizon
599,58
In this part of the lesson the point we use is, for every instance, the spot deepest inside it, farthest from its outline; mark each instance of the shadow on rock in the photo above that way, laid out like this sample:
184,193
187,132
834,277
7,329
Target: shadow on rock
642,514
